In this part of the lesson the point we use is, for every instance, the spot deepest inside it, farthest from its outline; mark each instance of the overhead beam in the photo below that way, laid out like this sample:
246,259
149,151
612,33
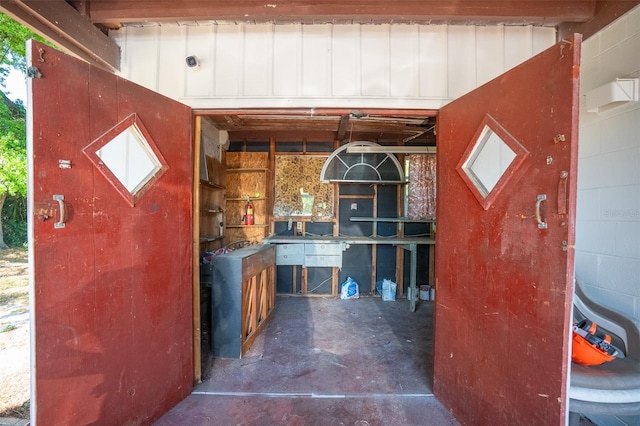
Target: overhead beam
364,11
343,127
390,149
62,25
605,13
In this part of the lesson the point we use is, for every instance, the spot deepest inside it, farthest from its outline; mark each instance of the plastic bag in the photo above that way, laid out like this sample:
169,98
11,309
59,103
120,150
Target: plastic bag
349,289
388,290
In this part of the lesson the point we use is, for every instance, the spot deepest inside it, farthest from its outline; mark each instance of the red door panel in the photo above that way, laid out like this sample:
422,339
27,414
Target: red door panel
112,295
504,284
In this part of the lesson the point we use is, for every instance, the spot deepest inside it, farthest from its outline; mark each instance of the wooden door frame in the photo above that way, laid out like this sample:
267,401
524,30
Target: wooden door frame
202,112
197,331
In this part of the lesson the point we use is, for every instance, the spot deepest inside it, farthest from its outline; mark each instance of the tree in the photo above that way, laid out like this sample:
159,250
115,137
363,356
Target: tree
13,174
13,153
13,38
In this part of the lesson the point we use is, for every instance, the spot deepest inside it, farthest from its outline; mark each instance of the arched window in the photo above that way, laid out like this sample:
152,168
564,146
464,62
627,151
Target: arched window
366,167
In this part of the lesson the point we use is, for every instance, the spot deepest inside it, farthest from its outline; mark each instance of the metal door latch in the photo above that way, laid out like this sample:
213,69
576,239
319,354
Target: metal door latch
60,200
541,223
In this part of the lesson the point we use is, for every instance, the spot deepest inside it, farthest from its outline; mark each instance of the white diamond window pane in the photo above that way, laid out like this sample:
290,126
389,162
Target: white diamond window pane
130,159
490,160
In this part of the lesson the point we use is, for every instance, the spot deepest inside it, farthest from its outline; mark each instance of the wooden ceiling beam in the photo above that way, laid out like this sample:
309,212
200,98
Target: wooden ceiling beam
281,136
322,136
62,25
606,12
370,11
342,127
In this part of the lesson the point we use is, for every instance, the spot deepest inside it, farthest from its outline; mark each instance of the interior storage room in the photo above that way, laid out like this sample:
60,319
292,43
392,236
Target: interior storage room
329,215
286,220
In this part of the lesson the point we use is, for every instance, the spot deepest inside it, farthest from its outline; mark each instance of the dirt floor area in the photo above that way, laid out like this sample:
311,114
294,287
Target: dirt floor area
14,334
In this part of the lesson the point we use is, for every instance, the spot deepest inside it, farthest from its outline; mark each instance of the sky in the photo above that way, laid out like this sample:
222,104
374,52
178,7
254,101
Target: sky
16,86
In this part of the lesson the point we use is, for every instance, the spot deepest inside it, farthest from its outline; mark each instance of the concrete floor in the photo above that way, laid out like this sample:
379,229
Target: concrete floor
325,361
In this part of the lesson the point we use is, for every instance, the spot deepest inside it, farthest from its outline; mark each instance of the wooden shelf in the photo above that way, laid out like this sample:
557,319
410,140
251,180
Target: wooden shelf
248,174
301,218
205,239
388,219
248,170
371,182
247,226
210,185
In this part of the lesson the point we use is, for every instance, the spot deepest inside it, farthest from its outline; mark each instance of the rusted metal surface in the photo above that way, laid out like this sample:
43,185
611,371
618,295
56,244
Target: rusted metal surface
112,290
504,286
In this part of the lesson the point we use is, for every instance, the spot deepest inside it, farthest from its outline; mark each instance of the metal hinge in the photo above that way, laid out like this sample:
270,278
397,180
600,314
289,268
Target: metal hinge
33,72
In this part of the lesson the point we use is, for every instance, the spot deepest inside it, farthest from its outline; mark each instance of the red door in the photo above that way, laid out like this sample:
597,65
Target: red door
110,255
507,155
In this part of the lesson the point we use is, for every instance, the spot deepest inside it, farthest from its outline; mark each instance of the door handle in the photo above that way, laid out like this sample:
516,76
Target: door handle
541,224
60,199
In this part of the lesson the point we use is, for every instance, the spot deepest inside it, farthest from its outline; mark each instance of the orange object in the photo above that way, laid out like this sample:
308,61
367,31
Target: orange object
590,348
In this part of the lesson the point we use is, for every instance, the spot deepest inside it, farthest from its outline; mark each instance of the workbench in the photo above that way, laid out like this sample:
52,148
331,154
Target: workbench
343,242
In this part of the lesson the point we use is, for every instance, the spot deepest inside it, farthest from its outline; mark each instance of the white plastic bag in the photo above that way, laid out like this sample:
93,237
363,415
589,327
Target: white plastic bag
349,289
388,290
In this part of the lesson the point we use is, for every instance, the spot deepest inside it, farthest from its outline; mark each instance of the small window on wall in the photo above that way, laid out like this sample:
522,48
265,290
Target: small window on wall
298,191
343,166
490,161
319,146
283,146
251,146
128,158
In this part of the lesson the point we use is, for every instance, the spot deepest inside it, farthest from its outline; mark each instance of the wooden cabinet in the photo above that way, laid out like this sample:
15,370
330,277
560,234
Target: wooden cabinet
248,176
243,298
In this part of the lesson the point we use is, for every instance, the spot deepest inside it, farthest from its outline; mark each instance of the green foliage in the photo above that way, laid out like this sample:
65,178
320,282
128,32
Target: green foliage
13,37
13,165
13,152
14,221
8,327
15,208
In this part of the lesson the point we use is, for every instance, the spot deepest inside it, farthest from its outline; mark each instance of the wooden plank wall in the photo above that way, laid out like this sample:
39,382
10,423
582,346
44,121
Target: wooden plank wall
324,65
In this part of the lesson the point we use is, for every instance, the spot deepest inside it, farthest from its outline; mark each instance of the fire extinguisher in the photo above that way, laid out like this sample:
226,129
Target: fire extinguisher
248,212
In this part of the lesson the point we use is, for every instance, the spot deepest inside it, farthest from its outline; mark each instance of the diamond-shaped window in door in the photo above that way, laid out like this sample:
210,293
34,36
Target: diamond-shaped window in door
128,157
490,161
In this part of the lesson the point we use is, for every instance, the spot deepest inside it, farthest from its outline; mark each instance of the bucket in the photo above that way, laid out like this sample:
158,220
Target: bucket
424,292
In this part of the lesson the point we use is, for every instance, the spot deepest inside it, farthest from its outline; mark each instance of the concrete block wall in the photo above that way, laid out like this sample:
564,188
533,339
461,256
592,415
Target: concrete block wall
608,213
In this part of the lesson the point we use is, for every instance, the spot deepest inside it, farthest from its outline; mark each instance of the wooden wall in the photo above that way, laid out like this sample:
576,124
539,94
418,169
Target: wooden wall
296,173
325,65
